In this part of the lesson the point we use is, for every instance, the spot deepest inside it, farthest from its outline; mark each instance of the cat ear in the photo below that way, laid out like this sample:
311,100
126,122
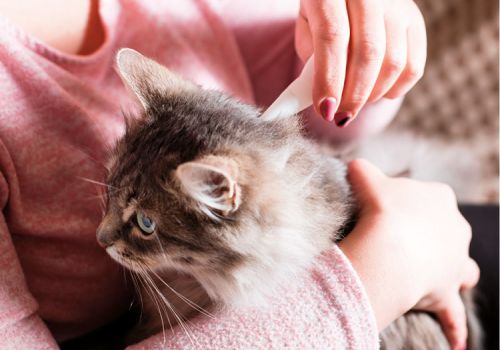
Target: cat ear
147,78
212,182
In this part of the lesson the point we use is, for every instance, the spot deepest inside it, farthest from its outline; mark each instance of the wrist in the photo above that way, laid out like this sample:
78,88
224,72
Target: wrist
379,261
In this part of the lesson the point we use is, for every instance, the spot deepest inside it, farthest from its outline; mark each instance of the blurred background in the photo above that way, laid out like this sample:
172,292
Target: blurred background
457,102
457,99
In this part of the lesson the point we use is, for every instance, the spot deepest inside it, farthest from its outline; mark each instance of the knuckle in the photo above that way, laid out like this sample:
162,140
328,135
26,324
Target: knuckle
468,232
357,99
449,192
476,270
394,65
467,229
330,32
414,72
445,194
370,50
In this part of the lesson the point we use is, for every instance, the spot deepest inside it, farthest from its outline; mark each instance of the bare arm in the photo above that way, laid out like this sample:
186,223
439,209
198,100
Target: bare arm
410,249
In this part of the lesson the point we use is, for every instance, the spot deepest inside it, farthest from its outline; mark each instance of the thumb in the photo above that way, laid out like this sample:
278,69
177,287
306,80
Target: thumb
454,322
471,275
365,181
364,175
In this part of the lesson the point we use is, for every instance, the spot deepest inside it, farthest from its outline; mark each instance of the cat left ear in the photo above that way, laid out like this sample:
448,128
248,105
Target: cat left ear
212,182
147,78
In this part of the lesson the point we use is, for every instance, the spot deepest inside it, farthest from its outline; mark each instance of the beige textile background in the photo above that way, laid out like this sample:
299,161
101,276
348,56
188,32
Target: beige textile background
458,95
457,99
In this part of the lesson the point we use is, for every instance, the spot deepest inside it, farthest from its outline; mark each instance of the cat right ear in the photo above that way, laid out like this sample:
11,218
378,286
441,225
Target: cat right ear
148,79
213,183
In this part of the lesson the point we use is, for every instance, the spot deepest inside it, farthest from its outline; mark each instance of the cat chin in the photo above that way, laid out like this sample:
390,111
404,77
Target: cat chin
115,255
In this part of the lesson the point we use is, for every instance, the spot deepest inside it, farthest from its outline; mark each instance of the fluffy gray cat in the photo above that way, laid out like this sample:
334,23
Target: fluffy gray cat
198,185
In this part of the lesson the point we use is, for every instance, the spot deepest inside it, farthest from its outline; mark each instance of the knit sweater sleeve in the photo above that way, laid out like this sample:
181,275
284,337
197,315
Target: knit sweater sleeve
20,326
327,309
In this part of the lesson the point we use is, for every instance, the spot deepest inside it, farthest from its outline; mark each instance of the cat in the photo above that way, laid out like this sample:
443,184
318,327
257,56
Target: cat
197,185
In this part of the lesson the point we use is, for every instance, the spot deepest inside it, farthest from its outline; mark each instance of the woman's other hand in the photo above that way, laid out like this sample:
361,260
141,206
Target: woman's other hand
411,249
363,50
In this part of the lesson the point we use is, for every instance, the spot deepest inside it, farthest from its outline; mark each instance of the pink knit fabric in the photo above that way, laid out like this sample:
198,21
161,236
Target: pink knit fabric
326,309
58,116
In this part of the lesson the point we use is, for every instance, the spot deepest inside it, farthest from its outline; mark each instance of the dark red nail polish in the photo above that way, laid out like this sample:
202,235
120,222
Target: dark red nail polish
342,119
327,108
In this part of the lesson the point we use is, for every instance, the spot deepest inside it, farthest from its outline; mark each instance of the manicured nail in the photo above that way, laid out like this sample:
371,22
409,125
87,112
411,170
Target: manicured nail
327,108
342,119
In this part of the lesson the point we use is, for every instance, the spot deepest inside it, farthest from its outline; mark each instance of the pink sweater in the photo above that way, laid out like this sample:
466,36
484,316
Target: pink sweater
58,116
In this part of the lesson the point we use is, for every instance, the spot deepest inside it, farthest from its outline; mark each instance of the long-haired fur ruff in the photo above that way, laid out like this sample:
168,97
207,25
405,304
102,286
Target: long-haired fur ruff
208,204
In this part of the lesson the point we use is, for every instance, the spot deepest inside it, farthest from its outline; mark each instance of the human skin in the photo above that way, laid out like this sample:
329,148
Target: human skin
363,50
73,28
410,249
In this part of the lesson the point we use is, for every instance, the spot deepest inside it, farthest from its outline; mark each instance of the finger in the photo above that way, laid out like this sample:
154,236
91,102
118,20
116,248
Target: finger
365,57
471,275
454,322
329,25
394,59
303,38
416,57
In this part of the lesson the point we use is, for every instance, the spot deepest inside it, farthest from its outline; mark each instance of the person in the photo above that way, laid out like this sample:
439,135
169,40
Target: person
60,112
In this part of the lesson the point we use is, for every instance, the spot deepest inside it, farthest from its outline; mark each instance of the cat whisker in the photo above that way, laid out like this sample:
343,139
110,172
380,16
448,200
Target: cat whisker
147,279
136,286
86,151
182,297
133,300
188,301
150,291
100,198
164,303
184,325
95,182
93,198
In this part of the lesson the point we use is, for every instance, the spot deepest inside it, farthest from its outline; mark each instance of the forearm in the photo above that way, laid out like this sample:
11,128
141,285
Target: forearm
384,276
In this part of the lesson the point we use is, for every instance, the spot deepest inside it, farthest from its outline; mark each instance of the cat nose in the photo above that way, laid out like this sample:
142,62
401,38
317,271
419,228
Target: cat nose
104,238
104,243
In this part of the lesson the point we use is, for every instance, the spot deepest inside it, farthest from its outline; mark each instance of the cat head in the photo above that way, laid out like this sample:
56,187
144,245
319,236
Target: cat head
199,184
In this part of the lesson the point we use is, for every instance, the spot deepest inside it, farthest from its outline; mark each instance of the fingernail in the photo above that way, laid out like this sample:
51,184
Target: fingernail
342,119
327,108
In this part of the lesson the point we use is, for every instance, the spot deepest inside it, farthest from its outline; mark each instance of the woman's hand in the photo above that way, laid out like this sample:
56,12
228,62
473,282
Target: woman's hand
363,50
410,249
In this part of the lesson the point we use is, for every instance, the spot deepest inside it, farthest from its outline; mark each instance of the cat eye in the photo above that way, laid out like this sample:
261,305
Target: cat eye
146,224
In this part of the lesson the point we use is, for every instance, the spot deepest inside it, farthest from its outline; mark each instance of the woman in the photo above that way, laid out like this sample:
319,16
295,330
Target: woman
61,110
